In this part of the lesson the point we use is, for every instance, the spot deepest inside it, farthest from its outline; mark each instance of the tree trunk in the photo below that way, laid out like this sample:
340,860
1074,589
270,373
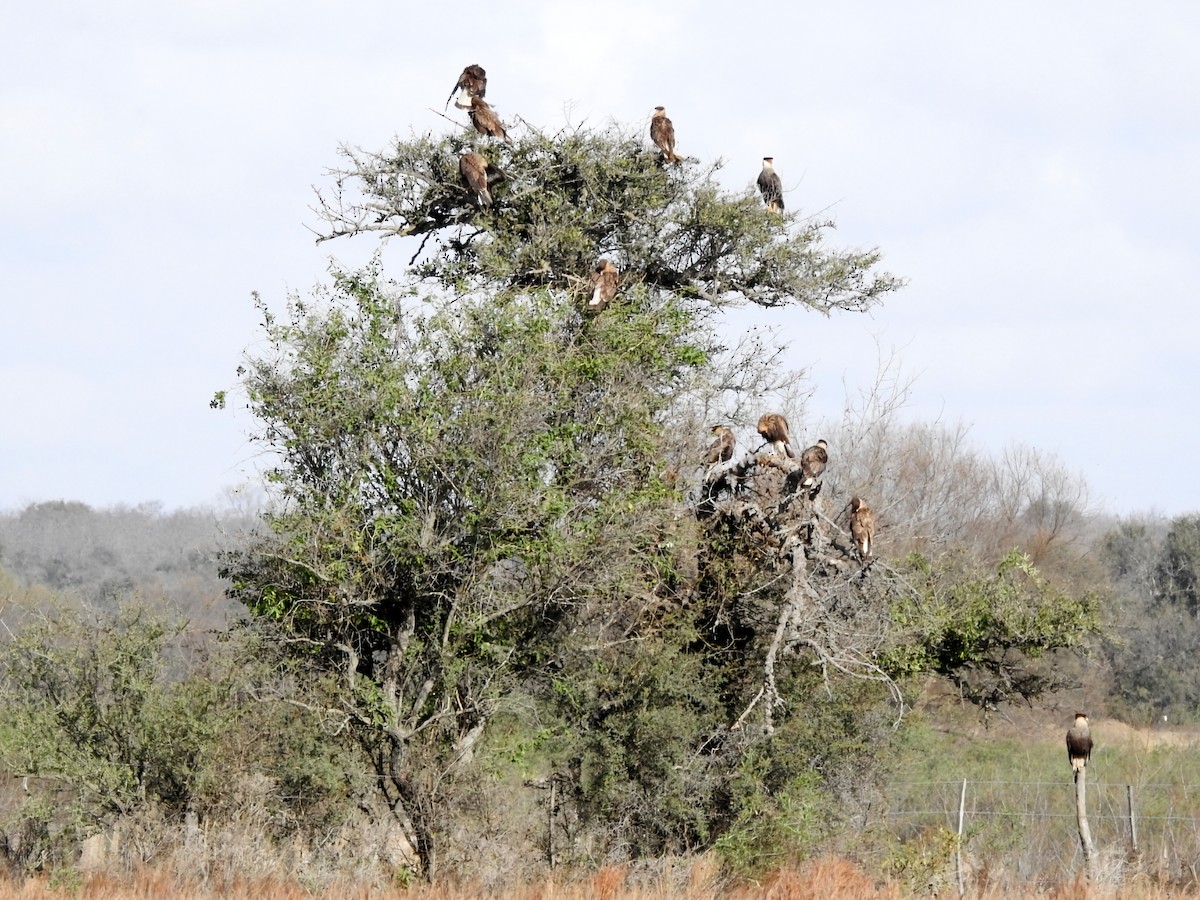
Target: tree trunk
410,809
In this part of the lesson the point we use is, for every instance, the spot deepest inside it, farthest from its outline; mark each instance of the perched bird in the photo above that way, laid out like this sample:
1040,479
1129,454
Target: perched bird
774,430
813,462
1079,743
604,284
770,186
472,82
484,118
474,170
662,132
720,450
862,527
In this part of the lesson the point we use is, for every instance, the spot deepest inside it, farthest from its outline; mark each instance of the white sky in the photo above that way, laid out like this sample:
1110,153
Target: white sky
1033,168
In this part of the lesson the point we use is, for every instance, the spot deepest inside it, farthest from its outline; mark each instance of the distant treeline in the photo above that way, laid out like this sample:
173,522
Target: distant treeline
103,555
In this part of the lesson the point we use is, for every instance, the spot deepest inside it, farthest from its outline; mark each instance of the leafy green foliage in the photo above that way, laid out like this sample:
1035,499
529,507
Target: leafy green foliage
775,830
989,632
923,860
93,709
647,745
114,718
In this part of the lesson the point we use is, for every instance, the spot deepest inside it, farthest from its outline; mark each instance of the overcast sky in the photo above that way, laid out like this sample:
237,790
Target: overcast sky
1032,168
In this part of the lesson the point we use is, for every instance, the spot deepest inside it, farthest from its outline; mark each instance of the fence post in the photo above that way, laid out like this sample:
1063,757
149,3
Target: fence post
1133,843
550,824
962,807
1085,833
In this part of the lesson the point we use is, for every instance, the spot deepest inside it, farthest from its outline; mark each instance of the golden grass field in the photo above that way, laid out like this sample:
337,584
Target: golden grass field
829,878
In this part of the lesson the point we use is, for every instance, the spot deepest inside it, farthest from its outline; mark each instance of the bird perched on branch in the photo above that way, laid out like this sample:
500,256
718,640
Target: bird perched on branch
862,527
774,430
474,170
1079,743
604,285
662,132
812,465
484,118
770,186
720,450
472,82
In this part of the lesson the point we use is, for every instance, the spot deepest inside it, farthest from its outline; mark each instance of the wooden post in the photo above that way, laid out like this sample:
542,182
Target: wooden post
549,784
962,808
1133,843
1085,833
550,823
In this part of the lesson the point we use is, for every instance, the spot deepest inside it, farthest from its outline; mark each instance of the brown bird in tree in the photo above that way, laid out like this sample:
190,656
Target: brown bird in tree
604,284
474,170
813,462
662,132
770,186
720,450
484,118
774,430
472,82
1079,743
862,527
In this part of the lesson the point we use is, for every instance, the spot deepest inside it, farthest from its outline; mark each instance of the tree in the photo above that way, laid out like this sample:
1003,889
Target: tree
569,198
105,554
994,635
1178,571
94,723
125,720
1131,550
1155,567
90,710
938,493
472,470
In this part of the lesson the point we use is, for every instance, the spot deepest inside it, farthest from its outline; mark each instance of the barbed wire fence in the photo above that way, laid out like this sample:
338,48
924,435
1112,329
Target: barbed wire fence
1028,828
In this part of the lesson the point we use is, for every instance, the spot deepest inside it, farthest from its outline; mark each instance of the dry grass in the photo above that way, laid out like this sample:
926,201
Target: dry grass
828,878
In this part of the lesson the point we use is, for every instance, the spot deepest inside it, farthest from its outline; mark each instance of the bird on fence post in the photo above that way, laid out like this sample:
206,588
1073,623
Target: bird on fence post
1079,743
